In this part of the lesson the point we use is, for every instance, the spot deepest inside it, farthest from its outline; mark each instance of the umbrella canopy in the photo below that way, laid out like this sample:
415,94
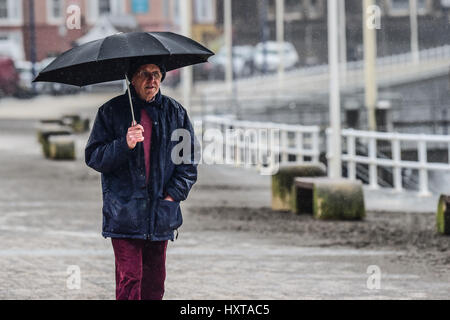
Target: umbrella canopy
108,59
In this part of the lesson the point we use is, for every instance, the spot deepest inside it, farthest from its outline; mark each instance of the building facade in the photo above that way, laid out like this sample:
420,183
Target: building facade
306,25
53,35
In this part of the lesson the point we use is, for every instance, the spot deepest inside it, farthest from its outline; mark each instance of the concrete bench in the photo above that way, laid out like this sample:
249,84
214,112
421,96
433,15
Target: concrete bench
51,121
325,198
75,121
62,147
46,130
443,215
283,182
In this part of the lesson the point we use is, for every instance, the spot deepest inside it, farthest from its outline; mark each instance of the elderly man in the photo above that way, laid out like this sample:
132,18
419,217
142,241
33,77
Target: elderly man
142,185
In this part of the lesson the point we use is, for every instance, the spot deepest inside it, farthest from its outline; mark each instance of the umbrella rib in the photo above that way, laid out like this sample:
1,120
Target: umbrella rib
160,42
100,49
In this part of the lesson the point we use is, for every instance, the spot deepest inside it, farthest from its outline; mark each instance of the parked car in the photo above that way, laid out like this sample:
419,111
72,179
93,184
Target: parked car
244,55
242,64
9,77
24,68
10,48
267,56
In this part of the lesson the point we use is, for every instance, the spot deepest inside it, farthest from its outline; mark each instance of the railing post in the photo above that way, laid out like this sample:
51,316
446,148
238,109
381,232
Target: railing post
351,152
221,144
238,145
423,173
448,151
373,174
315,146
397,158
274,148
284,146
262,149
329,154
299,147
229,144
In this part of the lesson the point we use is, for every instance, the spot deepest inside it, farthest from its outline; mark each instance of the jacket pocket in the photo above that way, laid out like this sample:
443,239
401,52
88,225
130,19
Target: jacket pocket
122,216
168,216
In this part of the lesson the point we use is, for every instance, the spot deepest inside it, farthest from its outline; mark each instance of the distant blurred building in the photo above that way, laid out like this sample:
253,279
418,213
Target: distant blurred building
52,36
99,18
306,25
204,27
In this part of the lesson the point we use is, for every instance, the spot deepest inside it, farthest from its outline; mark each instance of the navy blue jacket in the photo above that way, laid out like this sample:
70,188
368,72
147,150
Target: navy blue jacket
131,208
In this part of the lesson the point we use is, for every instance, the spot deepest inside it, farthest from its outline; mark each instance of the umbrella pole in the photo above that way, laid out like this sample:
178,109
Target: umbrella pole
131,101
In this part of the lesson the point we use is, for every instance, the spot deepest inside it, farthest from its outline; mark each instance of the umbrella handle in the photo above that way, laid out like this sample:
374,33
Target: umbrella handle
131,101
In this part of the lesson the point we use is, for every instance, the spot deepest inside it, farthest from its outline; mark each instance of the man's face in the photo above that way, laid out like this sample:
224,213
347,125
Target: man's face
147,81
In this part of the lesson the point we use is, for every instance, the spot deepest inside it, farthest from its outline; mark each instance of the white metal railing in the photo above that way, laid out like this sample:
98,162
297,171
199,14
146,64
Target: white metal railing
241,138
302,143
419,142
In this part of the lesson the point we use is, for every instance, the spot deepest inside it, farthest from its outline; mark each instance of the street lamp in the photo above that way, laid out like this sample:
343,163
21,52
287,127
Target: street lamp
229,67
264,31
186,73
32,35
371,14
414,31
334,165
280,40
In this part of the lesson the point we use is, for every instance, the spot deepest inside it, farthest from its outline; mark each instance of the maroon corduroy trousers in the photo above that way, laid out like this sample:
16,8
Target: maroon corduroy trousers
140,269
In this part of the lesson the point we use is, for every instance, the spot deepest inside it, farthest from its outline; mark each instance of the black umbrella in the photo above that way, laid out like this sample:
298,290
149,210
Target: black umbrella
109,59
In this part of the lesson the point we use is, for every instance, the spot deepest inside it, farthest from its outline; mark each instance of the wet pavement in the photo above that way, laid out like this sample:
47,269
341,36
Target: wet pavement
231,246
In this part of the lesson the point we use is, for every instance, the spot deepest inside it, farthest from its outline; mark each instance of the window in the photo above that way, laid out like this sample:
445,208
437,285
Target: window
293,10
104,7
11,44
397,5
110,6
314,8
166,8
404,4
423,6
10,12
57,8
142,6
55,11
96,8
3,9
401,7
204,11
176,12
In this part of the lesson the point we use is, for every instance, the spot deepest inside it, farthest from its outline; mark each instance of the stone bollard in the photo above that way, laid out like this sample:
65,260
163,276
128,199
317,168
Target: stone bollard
283,182
77,124
47,123
51,121
46,130
330,199
443,215
62,147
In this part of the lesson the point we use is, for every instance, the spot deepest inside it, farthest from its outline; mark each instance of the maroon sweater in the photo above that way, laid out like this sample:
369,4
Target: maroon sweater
146,122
